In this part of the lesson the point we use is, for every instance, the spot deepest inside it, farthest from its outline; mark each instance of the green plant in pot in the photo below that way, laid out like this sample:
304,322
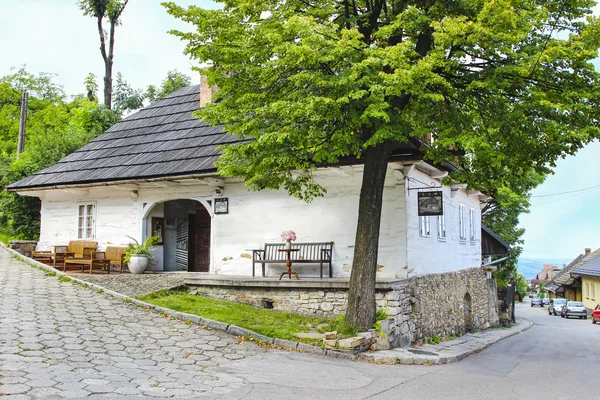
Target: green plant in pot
139,255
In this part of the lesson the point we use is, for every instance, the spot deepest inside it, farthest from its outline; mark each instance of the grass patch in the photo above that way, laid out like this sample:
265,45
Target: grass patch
5,237
276,324
64,278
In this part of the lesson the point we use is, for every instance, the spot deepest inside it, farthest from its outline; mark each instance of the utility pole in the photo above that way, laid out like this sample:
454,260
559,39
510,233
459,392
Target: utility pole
22,124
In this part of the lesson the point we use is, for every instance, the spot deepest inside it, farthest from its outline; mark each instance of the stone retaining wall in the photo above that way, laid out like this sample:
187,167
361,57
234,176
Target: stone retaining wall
450,304
419,308
25,247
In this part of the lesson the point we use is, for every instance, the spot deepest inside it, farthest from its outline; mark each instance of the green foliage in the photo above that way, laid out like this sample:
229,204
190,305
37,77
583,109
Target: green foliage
435,339
521,287
126,98
271,323
145,248
56,127
381,314
64,278
174,81
311,84
339,324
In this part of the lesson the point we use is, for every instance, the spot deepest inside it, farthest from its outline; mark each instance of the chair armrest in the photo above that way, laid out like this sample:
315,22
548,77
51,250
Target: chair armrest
98,255
60,249
123,259
258,254
326,254
87,252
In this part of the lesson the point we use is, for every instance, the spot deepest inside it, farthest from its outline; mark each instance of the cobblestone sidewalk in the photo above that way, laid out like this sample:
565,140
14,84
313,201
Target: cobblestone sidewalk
61,340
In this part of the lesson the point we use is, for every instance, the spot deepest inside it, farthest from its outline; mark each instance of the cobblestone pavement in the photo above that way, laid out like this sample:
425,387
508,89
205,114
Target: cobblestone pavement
134,285
58,339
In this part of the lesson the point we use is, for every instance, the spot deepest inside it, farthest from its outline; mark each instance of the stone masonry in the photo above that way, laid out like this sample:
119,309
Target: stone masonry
418,308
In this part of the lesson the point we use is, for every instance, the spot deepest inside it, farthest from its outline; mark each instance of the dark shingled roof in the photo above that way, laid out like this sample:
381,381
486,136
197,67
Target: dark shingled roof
590,268
564,277
161,140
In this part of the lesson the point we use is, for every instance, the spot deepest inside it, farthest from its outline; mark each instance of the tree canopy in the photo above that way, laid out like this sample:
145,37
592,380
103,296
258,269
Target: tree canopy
56,126
509,83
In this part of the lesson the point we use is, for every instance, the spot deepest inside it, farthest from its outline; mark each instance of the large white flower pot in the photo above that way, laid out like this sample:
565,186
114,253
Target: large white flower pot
138,263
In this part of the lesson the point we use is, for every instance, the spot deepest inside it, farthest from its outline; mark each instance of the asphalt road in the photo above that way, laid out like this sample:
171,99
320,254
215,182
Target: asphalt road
556,358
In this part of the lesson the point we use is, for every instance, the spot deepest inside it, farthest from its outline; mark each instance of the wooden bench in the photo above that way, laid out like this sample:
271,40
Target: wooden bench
75,249
309,253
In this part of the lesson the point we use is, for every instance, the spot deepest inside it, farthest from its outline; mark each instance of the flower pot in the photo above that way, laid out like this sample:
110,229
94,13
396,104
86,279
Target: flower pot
138,263
288,245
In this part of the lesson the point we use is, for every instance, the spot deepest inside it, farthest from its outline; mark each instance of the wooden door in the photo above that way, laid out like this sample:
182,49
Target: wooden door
199,242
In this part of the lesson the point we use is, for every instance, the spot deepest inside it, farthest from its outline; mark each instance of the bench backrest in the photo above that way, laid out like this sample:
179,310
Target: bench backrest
307,251
114,253
77,246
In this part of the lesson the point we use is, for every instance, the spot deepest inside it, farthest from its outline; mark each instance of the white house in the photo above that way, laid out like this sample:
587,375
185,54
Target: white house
153,173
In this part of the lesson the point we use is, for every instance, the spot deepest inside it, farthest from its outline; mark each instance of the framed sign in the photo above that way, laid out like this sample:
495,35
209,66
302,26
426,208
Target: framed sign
431,203
222,205
158,228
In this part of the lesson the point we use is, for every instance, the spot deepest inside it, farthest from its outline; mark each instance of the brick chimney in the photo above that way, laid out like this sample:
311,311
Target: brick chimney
206,92
587,251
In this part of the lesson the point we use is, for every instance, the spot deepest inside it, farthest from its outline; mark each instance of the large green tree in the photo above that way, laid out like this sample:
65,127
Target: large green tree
507,82
56,126
106,12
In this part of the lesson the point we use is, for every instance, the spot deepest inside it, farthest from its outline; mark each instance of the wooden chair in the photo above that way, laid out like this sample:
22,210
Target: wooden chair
114,254
75,249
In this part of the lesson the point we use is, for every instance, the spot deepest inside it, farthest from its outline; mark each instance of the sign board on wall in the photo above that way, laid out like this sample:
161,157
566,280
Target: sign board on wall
431,203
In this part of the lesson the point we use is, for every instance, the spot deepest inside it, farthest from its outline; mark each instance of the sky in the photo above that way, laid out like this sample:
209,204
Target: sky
54,36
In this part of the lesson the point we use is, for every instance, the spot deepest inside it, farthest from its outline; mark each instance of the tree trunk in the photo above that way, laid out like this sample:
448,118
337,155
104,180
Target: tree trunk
108,84
361,295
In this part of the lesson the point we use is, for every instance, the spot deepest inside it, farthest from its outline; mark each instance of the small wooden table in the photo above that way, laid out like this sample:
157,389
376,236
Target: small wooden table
93,263
288,262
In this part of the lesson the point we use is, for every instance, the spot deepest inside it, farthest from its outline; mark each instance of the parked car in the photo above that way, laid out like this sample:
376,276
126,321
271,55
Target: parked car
545,301
596,314
536,301
556,305
574,309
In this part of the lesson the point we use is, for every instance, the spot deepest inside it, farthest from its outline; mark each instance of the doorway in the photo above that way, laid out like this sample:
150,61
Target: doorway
187,236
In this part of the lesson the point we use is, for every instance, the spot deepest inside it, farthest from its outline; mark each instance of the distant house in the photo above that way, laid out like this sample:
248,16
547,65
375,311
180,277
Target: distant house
589,273
153,172
544,276
567,286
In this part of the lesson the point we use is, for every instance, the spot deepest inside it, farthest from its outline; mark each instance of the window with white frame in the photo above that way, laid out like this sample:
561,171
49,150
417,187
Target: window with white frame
462,226
587,290
441,220
593,291
472,225
424,228
86,226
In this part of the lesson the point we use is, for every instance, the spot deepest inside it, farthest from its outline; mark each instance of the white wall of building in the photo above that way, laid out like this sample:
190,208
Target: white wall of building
428,255
254,218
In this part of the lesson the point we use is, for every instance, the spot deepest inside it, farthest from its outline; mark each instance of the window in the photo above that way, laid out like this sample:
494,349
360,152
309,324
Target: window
587,290
461,222
86,227
424,229
441,220
472,225
593,292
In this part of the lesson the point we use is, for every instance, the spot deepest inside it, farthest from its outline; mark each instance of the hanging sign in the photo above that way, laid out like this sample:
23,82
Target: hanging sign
431,203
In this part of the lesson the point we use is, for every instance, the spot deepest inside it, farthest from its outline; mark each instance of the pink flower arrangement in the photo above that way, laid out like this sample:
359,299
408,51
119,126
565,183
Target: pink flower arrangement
288,235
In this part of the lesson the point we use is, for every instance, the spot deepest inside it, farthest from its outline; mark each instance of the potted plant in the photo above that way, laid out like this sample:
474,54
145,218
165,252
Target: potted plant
139,255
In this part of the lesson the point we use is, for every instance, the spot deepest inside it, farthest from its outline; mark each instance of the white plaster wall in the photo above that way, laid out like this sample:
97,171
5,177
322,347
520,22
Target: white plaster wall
116,216
431,255
254,218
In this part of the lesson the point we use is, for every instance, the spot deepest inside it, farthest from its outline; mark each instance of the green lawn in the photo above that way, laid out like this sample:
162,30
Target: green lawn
275,324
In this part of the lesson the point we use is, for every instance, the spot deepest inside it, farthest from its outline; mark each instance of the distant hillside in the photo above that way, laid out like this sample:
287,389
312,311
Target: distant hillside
530,267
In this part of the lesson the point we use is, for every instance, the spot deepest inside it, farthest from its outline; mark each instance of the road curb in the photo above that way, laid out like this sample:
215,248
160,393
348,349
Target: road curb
451,352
